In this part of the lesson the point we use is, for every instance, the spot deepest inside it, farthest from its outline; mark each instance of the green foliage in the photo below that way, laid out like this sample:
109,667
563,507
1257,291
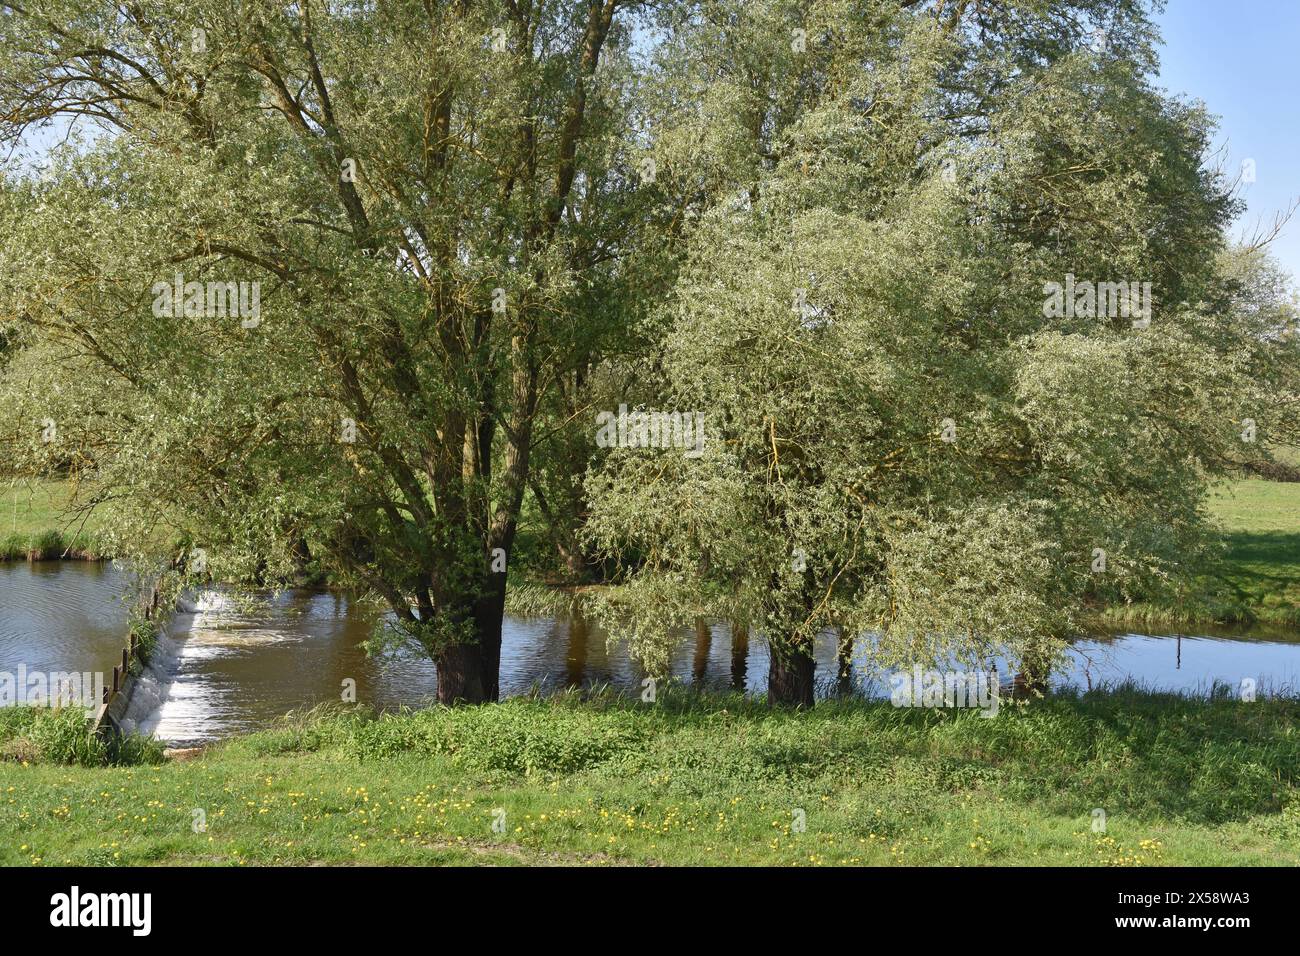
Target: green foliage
840,245
510,738
902,443
62,736
378,413
145,633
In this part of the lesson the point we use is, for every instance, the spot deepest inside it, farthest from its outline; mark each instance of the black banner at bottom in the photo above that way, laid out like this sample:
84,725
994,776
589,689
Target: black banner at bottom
352,903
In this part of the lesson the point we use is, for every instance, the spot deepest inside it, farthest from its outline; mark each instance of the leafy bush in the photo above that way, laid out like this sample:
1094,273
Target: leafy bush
518,736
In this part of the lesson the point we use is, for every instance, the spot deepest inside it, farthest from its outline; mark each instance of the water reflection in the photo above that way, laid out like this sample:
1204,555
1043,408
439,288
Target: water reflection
56,616
233,671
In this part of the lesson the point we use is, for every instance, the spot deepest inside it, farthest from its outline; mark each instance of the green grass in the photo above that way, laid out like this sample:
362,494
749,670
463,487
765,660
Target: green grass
1287,455
1254,506
696,780
37,522
1259,580
61,736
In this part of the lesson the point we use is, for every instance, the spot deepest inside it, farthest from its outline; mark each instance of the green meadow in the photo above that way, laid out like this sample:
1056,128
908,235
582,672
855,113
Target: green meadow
41,521
1258,581
689,780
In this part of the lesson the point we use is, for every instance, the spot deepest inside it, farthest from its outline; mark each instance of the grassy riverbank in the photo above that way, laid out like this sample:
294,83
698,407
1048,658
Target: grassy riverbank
38,522
693,780
1258,582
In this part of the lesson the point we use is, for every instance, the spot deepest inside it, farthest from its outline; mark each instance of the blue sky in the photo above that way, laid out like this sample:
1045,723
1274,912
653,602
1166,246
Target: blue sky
1241,58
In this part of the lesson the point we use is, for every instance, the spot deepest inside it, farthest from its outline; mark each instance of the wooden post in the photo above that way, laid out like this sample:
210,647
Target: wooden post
115,674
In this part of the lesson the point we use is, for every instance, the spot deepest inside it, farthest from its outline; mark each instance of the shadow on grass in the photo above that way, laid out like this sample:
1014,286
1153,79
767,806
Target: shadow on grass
1203,759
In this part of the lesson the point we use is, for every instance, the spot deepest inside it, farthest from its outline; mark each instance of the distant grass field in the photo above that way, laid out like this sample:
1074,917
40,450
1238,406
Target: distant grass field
1288,456
38,521
1259,580
690,780
1262,570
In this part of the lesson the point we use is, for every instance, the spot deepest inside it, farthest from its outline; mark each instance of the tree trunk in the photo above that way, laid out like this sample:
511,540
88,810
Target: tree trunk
488,616
844,657
577,563
460,675
790,676
1029,684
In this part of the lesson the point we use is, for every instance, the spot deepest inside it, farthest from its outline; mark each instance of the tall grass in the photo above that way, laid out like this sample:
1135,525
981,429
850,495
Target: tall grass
48,546
62,736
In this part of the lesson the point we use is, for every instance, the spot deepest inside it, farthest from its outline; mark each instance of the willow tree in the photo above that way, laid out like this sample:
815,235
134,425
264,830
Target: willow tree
714,90
411,194
905,439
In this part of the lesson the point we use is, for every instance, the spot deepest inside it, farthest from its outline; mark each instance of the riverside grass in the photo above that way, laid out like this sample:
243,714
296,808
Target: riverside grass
695,779
36,523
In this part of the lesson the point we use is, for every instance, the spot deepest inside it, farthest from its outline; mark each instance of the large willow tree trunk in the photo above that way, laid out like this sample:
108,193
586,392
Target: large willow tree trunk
470,673
489,616
460,675
790,675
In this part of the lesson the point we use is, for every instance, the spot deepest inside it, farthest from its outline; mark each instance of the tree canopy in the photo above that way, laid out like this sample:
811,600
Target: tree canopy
353,281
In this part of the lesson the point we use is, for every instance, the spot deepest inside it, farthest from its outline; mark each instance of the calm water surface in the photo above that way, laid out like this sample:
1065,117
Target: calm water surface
238,670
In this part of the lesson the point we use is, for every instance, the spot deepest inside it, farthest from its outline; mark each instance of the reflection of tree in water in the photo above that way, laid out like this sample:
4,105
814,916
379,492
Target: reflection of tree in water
576,662
703,644
739,655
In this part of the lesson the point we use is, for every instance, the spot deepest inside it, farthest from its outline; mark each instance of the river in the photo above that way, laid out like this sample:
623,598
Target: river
238,670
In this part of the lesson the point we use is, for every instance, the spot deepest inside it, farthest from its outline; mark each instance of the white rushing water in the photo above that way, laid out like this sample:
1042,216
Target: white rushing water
153,694
153,686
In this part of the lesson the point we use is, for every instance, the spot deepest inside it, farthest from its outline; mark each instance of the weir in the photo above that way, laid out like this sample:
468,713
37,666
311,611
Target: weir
111,715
